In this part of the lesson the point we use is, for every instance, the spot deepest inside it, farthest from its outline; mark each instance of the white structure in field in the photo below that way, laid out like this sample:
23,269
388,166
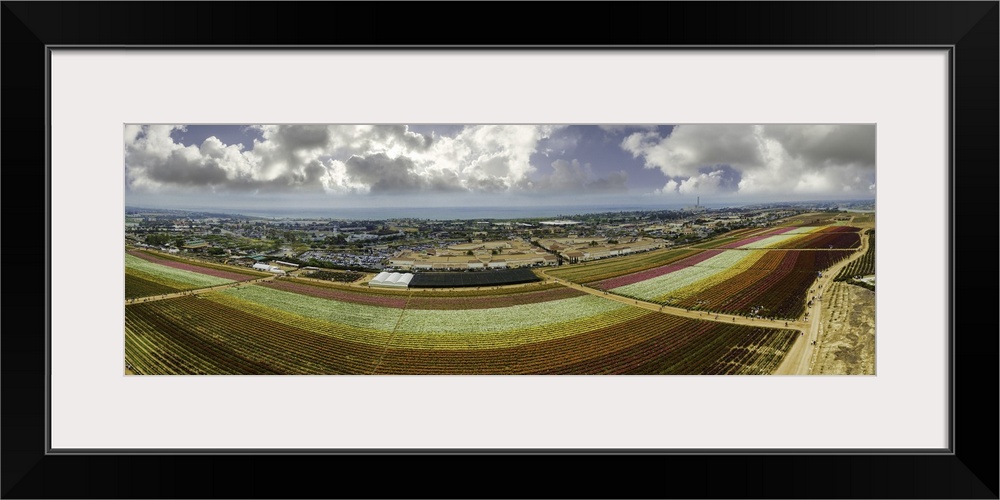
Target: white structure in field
269,268
392,280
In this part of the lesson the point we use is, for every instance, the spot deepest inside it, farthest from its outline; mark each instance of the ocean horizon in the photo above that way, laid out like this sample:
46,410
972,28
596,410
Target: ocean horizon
429,213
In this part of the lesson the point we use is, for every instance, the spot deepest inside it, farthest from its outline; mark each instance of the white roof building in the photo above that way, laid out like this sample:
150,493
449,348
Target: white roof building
392,280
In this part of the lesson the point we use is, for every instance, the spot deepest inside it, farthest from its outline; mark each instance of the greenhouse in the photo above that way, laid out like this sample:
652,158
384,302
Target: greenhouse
394,280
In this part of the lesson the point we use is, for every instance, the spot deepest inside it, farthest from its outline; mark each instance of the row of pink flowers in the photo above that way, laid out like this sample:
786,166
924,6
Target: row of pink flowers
370,299
490,301
192,267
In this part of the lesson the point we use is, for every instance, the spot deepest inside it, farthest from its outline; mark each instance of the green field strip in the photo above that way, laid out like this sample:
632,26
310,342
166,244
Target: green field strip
168,274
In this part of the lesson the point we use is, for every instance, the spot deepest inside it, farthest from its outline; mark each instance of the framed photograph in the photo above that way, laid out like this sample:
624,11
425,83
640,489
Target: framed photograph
785,137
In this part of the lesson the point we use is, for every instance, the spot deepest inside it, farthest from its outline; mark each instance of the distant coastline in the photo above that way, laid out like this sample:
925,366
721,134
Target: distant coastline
453,213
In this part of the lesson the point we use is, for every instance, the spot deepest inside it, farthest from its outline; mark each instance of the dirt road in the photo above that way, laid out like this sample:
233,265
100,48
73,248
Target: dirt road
801,356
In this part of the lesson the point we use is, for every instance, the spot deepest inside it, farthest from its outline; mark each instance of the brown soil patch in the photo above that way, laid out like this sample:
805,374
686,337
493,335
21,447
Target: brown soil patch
846,343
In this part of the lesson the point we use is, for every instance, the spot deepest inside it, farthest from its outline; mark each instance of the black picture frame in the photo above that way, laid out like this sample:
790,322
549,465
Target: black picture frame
968,470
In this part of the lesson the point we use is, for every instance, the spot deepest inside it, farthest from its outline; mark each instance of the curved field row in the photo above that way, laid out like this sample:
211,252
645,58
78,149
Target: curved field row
342,295
501,318
388,292
194,336
162,258
650,344
423,292
137,259
419,301
437,321
514,335
774,286
674,279
804,237
760,235
431,340
759,353
191,335
841,229
826,240
618,266
637,277
532,322
484,292
694,293
771,241
354,315
170,275
137,285
862,266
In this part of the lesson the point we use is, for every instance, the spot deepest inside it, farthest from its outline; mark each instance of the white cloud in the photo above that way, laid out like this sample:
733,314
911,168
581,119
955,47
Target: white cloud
762,160
336,159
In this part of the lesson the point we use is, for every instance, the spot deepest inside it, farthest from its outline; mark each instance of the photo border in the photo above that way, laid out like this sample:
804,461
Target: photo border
967,470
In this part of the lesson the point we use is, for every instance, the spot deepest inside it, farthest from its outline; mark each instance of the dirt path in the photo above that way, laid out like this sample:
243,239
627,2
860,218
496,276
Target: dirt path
800,357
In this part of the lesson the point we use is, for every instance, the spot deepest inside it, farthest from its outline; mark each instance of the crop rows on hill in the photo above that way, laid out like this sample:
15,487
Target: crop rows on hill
826,240
862,266
193,335
769,284
136,285
144,278
206,268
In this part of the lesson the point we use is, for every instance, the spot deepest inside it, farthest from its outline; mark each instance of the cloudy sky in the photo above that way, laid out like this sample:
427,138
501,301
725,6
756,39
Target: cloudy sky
336,166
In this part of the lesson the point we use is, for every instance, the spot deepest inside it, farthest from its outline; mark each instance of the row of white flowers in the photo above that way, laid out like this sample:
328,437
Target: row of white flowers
505,318
805,230
357,315
161,272
663,285
428,321
772,240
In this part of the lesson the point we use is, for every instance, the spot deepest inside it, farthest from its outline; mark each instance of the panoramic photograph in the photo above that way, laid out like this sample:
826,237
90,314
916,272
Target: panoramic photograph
499,249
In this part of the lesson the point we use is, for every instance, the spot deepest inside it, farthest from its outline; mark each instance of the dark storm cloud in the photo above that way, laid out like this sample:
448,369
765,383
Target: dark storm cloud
178,169
384,174
728,177
574,177
295,137
825,145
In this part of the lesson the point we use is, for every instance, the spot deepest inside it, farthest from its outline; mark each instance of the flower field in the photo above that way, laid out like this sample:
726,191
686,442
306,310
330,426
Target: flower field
148,274
809,237
141,285
826,240
228,333
302,326
207,268
765,283
609,268
170,278
863,266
